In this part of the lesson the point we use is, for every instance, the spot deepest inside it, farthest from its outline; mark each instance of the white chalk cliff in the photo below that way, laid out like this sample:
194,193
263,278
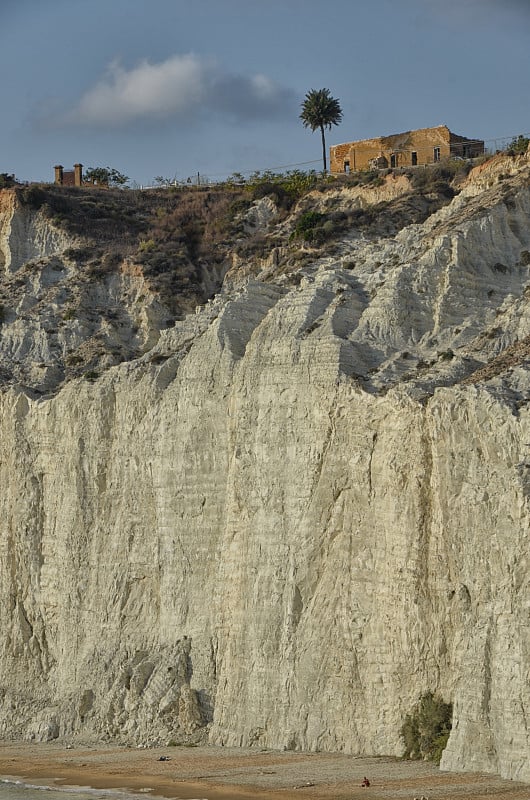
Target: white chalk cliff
291,513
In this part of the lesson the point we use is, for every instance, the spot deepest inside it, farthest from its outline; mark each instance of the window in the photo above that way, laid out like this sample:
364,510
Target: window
414,158
436,153
347,167
466,151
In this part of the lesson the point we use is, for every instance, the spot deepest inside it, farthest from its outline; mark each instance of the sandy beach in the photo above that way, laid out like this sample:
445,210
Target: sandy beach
222,773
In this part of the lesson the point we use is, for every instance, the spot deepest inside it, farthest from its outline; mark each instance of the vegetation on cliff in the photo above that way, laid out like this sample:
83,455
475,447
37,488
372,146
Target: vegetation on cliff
426,730
109,269
312,421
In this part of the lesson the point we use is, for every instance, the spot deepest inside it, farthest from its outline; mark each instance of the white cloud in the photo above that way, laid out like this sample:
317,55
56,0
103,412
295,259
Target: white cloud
180,87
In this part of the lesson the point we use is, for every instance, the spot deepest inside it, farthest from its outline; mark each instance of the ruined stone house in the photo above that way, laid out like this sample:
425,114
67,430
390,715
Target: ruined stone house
409,149
69,177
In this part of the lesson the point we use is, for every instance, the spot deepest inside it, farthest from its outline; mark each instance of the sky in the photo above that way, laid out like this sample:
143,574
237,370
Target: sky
172,88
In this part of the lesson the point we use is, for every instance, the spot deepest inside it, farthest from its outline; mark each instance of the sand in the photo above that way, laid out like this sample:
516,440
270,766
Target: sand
223,773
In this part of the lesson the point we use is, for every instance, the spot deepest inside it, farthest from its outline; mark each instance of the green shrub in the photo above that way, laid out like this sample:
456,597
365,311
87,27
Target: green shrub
306,225
446,355
443,188
426,730
284,187
239,206
6,180
365,177
518,145
370,177
146,245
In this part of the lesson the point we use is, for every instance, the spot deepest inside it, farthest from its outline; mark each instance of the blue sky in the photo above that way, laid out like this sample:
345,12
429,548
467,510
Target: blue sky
175,87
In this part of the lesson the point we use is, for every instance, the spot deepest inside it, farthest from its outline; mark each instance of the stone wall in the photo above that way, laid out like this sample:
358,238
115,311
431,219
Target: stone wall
73,177
418,147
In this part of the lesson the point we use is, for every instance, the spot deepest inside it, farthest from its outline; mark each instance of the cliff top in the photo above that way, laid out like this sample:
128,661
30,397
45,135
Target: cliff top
91,278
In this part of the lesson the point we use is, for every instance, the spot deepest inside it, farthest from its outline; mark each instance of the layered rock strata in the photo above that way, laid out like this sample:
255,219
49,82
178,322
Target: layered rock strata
295,514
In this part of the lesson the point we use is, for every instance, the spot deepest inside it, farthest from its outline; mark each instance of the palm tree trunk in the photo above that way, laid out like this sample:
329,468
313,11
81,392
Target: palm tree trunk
324,148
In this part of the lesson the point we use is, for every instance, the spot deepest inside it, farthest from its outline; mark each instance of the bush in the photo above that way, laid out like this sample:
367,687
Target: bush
446,355
6,180
310,228
281,197
285,187
307,222
518,145
370,177
105,176
108,215
443,188
146,245
426,730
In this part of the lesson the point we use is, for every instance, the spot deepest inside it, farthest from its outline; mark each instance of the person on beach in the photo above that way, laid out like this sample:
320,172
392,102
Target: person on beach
365,782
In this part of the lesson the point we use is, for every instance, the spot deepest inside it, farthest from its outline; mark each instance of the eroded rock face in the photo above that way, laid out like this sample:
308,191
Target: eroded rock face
292,517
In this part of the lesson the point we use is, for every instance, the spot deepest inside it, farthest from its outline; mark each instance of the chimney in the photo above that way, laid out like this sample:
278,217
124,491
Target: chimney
59,174
78,174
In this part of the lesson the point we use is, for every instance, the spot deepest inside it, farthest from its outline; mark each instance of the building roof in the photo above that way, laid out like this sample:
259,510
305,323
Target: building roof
400,137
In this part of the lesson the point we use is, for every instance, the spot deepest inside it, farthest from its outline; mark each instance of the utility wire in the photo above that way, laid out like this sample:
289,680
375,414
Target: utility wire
266,169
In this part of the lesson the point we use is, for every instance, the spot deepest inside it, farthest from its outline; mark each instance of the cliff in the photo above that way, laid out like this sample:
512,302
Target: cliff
281,518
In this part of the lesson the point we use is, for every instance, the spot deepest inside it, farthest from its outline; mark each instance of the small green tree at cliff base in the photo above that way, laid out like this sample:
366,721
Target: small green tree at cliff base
426,730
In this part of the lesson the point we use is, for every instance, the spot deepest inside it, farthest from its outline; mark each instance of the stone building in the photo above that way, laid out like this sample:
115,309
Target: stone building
409,149
69,177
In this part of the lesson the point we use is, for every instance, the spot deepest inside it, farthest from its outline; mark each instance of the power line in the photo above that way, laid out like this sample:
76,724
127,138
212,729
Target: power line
510,136
267,169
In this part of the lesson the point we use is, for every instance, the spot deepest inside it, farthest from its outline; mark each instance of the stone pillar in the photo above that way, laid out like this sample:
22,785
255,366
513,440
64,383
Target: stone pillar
59,174
78,174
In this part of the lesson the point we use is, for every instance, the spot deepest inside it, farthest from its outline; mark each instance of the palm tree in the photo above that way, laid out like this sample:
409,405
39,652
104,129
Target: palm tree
321,110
